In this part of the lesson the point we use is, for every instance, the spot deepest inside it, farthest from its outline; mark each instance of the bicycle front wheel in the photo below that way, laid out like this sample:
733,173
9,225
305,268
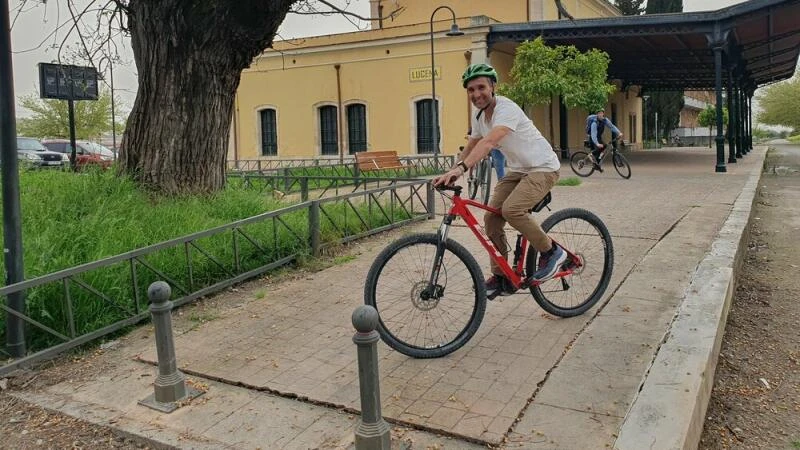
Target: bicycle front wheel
582,164
485,180
585,235
412,321
622,165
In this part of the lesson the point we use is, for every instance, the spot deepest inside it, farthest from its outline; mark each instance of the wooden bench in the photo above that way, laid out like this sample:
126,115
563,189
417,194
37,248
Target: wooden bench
387,159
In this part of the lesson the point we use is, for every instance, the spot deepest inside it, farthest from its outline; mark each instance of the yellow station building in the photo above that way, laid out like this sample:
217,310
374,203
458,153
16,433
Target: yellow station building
371,90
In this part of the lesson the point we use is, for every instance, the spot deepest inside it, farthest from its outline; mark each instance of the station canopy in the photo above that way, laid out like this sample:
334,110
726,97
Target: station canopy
759,42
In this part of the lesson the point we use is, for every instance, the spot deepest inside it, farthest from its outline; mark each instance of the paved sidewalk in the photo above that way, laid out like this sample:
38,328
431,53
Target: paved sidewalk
280,369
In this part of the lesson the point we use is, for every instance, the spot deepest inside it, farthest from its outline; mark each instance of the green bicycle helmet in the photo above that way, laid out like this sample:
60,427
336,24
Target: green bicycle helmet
478,70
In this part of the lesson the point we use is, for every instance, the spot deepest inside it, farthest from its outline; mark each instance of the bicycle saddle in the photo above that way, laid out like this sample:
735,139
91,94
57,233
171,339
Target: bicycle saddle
542,203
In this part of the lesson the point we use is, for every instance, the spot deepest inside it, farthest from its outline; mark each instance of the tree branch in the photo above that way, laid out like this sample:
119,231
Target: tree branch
337,10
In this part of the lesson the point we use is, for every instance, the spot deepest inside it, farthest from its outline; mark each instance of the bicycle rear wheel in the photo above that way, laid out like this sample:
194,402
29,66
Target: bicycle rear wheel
412,322
585,235
582,164
621,165
485,180
472,183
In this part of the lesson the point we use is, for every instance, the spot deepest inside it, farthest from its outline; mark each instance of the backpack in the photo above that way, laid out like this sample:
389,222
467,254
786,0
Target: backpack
589,121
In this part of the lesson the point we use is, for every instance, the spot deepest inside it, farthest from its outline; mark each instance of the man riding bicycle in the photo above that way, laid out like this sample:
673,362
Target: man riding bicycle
532,172
595,126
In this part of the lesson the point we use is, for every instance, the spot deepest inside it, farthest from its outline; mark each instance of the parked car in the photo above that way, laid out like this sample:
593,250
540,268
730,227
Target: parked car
31,153
87,153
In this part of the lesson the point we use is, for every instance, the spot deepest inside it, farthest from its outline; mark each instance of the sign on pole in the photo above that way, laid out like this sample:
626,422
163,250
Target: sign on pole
65,82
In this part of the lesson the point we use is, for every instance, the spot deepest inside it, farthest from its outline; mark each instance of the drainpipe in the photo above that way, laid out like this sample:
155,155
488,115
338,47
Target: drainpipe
236,131
468,57
339,115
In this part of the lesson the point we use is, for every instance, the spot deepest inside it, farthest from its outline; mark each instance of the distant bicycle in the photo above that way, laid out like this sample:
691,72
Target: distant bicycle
479,180
582,162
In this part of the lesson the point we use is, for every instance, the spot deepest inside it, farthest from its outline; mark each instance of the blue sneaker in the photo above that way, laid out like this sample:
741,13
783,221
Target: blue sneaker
549,263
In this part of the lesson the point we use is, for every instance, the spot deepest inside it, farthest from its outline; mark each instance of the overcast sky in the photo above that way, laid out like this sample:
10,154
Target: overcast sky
31,44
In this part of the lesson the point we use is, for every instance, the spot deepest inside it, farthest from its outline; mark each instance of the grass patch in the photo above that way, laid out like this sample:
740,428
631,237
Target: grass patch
260,294
202,317
794,140
343,259
569,181
795,444
71,219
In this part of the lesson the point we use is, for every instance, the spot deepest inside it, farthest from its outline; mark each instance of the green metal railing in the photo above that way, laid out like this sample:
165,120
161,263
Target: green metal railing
201,263
415,166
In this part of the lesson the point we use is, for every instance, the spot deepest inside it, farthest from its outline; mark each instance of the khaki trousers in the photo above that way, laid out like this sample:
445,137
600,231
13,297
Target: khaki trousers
514,195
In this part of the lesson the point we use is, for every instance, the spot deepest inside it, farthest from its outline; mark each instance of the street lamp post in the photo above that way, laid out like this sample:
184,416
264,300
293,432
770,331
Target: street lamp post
454,31
113,107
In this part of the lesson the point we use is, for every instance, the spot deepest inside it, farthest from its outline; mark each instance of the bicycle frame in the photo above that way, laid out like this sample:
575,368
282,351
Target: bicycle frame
515,274
614,149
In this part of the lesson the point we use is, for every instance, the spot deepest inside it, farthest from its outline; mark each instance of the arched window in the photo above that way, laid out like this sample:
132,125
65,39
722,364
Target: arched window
424,114
269,132
328,130
357,127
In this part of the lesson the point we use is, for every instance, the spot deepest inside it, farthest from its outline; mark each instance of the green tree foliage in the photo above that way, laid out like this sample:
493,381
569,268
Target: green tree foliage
667,104
708,118
663,6
780,104
541,73
630,7
51,117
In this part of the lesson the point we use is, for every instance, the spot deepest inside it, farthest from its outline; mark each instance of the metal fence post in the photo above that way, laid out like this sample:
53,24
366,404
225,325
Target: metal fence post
313,227
286,183
372,431
170,385
431,198
357,174
304,189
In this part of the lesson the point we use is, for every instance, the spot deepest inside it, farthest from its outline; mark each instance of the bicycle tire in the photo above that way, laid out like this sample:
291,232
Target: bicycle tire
393,286
472,183
584,234
581,163
622,165
486,180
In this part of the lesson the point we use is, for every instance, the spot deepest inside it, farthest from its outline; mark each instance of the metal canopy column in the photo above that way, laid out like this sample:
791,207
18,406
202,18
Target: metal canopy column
737,100
741,148
717,41
731,119
750,113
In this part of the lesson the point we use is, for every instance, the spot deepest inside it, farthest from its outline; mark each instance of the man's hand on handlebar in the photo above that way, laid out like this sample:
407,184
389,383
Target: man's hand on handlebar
449,177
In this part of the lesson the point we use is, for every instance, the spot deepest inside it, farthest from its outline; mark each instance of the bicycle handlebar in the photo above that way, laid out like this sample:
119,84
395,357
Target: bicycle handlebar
454,188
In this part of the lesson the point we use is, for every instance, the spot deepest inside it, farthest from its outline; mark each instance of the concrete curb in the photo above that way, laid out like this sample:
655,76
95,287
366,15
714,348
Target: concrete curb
669,411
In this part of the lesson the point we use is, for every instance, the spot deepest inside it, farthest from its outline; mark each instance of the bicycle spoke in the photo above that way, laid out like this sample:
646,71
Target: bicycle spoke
583,234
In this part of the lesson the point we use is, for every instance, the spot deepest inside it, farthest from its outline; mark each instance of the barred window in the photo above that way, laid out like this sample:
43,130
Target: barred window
425,111
357,127
328,130
269,132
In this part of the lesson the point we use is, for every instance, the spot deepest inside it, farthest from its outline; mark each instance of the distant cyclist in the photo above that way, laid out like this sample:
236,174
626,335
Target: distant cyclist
595,126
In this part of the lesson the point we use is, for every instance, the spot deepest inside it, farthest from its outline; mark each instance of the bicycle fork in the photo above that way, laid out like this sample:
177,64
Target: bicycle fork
434,290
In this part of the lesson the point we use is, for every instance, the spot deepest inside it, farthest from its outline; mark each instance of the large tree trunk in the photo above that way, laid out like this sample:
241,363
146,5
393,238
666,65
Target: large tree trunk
189,56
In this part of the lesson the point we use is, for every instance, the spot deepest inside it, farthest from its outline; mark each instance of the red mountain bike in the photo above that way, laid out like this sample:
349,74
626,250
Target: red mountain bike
429,290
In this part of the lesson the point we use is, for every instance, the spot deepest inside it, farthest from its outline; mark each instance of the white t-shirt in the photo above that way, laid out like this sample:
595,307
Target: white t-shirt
525,149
